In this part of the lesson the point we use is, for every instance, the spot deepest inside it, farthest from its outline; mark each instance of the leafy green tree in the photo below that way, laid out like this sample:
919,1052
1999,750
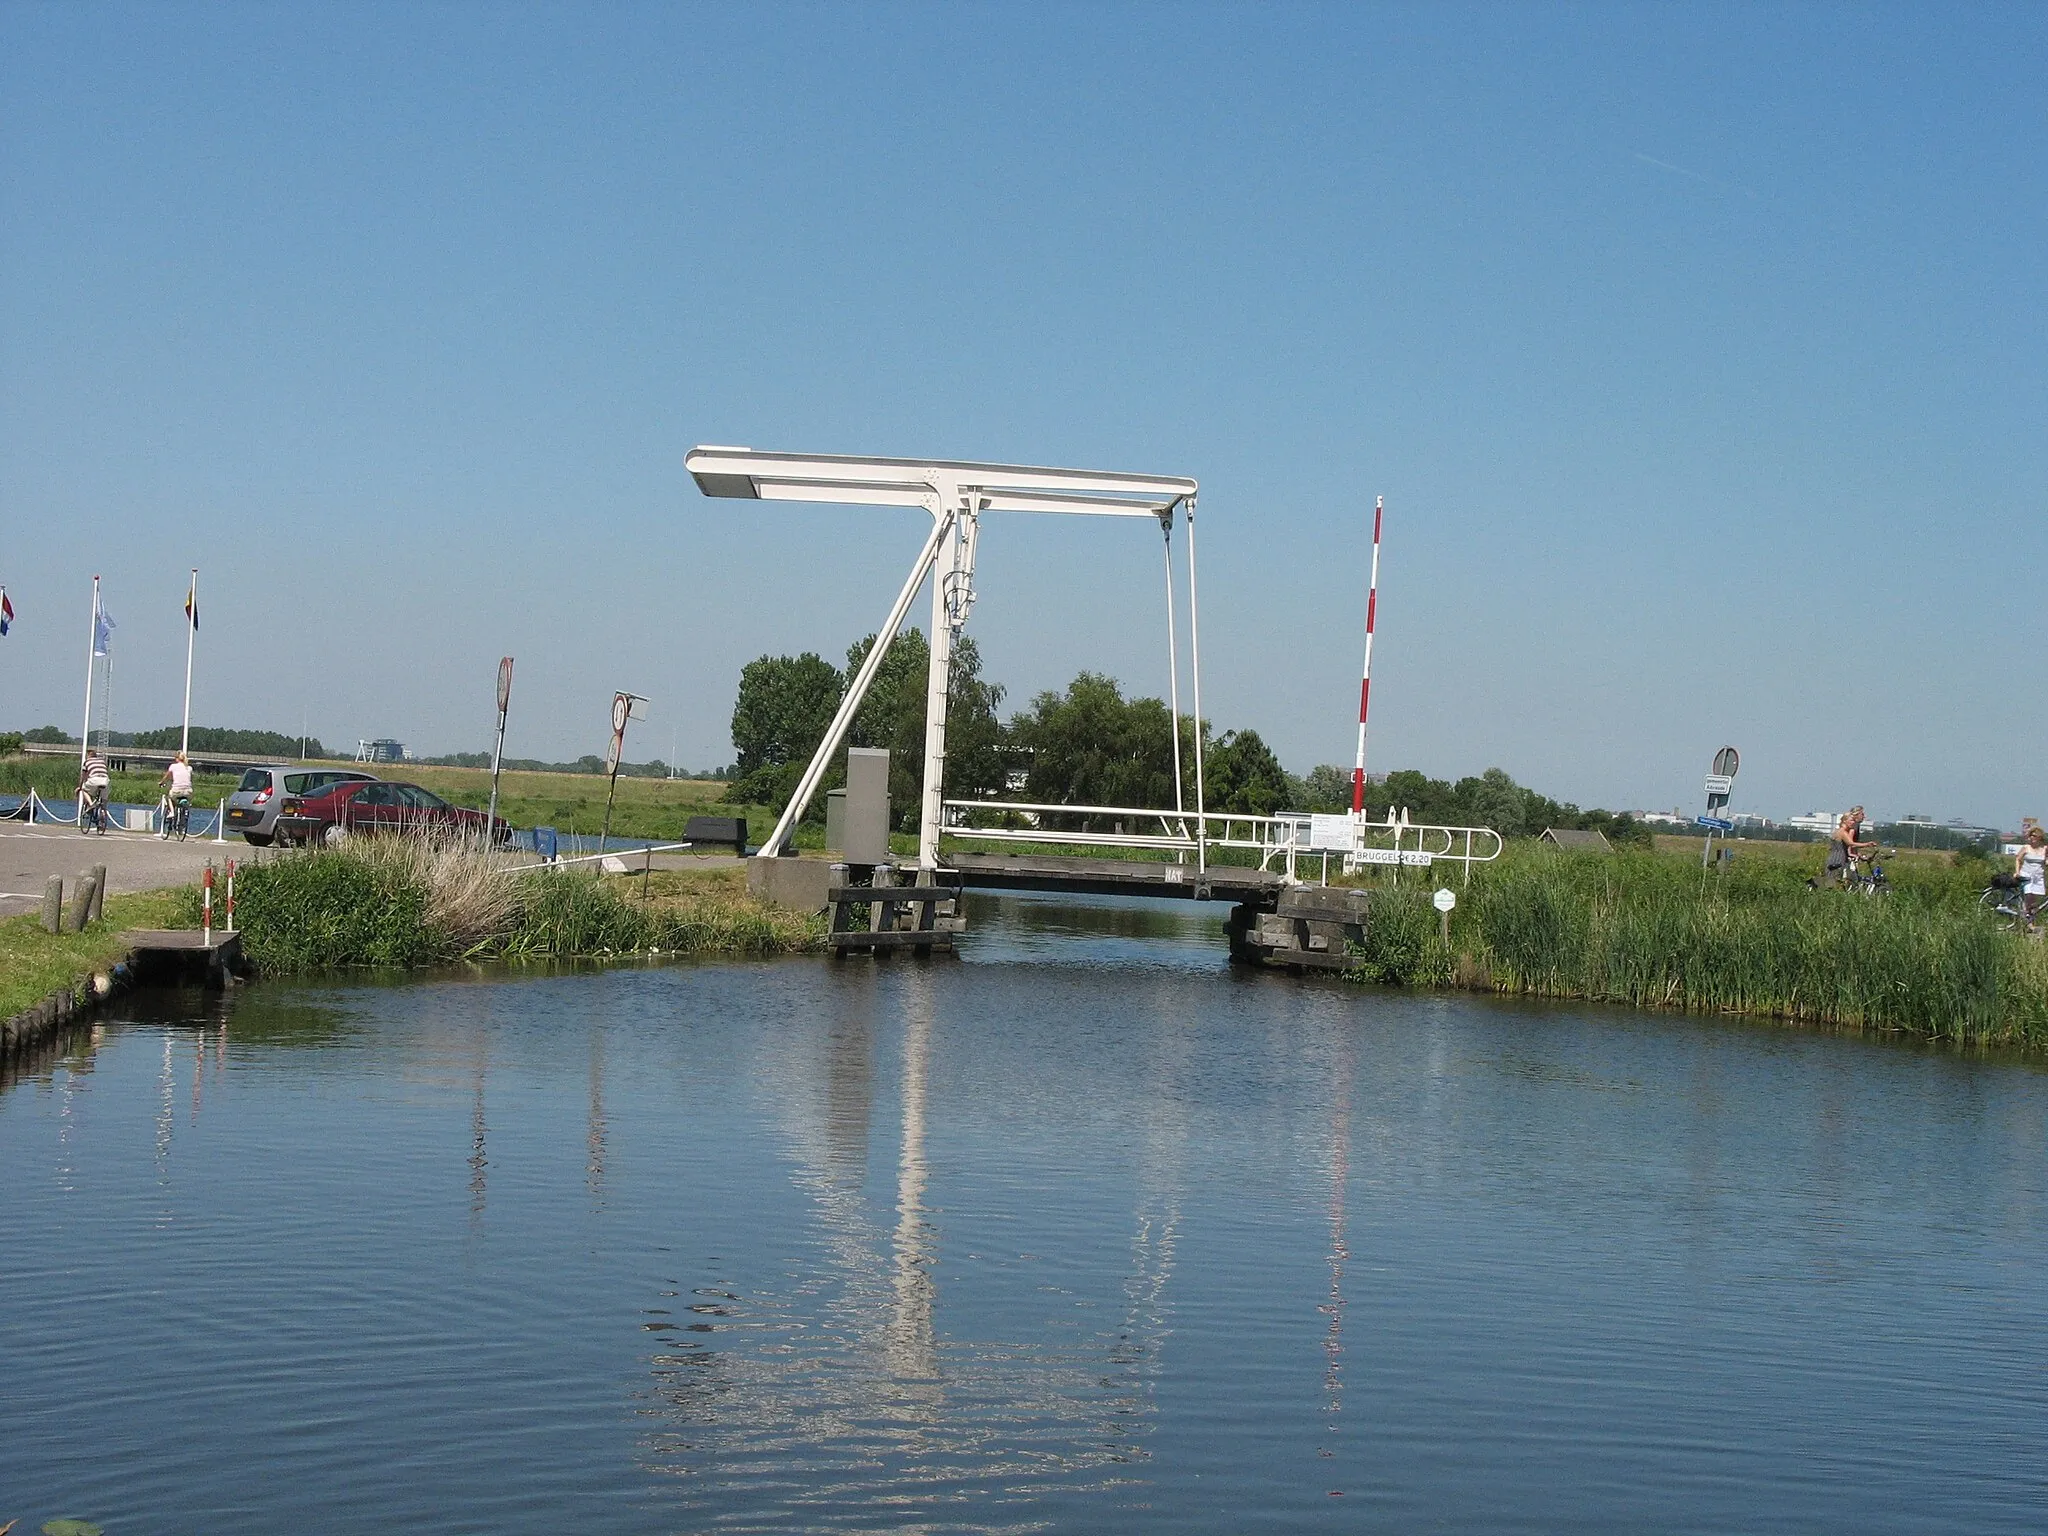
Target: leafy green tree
892,716
50,735
1242,774
778,719
220,738
1327,789
1091,746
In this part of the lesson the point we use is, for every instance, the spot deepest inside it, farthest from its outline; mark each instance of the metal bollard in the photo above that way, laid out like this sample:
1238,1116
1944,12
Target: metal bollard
53,904
81,905
99,893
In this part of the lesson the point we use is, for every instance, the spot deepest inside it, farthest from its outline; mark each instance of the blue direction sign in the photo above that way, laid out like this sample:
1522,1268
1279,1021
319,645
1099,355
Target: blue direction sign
1718,823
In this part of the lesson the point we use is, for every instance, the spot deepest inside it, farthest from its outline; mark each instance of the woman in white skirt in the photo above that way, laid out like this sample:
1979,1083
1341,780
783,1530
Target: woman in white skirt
2031,869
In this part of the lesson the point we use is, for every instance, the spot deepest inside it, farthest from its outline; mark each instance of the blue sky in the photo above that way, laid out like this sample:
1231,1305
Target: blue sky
1699,353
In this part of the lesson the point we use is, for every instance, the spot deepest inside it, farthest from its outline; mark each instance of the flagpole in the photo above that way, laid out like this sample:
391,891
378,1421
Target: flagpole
92,635
191,634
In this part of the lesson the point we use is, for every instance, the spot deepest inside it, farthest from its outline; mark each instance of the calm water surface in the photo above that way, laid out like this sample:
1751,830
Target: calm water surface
1083,1231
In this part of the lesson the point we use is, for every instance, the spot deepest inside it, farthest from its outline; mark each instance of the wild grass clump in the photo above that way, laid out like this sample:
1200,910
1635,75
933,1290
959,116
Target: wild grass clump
1650,930
406,902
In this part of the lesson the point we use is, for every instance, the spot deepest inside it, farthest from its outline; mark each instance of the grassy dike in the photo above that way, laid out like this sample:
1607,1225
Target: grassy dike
1645,929
387,902
34,964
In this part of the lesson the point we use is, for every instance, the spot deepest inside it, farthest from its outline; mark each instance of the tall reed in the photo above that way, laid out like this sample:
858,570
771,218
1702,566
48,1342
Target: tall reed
1649,929
407,902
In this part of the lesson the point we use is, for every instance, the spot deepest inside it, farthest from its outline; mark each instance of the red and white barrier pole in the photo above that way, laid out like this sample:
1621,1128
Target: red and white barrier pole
231,895
1372,603
206,906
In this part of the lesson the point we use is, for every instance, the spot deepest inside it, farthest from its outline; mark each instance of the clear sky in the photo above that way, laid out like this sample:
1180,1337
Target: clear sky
1698,351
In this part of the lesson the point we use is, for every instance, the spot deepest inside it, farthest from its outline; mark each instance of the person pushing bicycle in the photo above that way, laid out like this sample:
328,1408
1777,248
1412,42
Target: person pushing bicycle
2030,868
1845,848
176,784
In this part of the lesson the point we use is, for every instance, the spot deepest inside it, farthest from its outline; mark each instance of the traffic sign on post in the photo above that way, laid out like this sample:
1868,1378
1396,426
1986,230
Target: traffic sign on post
498,749
1720,785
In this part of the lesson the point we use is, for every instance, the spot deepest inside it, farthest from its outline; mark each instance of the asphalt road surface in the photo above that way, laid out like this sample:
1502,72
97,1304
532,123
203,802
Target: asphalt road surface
140,861
136,861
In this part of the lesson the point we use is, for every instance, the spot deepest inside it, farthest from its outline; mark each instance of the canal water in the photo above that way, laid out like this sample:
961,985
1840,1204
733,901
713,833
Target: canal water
1082,1231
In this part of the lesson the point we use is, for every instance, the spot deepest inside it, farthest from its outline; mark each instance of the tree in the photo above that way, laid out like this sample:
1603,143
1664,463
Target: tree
1327,789
893,716
778,719
1242,774
53,735
1091,746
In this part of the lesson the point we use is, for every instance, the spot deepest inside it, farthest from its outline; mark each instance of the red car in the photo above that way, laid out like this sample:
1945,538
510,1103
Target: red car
344,810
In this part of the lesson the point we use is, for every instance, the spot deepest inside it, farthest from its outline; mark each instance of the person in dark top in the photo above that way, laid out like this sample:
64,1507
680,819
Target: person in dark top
1845,848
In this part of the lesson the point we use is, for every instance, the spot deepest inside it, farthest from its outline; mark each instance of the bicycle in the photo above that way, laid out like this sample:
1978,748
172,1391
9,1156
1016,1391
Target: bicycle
2005,899
174,817
92,810
1868,881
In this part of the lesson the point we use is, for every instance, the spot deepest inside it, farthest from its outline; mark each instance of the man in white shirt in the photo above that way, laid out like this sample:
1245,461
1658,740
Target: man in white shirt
93,780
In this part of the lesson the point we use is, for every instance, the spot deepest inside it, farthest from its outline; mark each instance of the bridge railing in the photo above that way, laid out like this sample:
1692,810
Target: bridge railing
1289,842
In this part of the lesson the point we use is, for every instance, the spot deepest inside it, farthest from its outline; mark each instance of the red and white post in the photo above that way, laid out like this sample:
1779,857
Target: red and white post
206,906
231,896
1372,603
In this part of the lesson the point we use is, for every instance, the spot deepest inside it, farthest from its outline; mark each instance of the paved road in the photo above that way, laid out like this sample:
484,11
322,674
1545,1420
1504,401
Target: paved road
136,861
139,861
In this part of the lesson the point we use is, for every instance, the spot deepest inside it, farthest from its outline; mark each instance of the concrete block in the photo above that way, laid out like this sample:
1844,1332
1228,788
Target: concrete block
798,883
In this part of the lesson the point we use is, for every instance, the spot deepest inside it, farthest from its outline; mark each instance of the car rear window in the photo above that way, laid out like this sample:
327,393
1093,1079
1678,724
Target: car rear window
255,781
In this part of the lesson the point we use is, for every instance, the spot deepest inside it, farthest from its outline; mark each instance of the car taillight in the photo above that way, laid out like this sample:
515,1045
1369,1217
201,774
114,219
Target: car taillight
289,807
262,795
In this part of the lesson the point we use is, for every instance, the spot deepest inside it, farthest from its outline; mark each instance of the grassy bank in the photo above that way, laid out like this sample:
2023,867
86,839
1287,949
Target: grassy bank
392,903
34,964
57,779
1645,929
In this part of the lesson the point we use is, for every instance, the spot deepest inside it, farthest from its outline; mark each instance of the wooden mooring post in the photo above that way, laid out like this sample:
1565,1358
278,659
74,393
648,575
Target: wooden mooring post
920,918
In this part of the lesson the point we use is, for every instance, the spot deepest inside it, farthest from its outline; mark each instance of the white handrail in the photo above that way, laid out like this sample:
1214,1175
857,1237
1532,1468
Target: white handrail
1285,838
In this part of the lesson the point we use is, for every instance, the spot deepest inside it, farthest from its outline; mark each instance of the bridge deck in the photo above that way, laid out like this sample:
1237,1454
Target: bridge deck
1112,877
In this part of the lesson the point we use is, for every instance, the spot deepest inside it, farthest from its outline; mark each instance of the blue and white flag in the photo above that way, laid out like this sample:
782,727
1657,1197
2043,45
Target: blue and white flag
102,632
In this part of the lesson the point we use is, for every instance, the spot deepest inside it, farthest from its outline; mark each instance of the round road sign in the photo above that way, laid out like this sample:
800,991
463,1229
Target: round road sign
621,705
1727,762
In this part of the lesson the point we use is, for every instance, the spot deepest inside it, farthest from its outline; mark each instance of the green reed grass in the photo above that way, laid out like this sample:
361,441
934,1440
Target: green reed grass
1649,929
375,902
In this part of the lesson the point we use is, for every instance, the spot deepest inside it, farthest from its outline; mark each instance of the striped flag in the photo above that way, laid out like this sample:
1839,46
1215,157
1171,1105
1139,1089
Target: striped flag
192,603
6,612
102,632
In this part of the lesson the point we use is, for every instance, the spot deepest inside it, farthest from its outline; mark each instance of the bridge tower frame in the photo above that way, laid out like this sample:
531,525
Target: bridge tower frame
955,493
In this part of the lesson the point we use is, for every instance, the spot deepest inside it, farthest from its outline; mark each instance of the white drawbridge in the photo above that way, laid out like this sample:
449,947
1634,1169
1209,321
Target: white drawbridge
956,494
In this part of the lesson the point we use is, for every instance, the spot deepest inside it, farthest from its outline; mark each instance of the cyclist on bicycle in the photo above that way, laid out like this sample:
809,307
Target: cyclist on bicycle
178,778
93,781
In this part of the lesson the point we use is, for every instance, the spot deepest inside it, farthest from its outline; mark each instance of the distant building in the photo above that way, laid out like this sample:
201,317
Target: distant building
382,750
1751,819
1661,818
1823,822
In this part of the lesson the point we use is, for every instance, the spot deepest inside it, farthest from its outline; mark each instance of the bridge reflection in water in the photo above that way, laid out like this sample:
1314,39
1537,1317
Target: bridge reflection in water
844,1382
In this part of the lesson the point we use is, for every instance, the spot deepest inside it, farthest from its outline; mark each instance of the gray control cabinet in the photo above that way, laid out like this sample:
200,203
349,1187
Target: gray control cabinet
865,835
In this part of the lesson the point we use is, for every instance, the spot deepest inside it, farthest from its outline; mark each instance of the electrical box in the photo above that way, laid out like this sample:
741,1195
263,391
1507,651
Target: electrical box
864,838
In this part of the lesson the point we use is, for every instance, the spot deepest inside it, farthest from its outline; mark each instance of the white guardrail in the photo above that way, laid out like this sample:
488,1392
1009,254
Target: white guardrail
1287,841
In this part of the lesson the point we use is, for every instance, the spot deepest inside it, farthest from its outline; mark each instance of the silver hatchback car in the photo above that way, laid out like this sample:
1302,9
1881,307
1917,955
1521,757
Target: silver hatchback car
252,808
